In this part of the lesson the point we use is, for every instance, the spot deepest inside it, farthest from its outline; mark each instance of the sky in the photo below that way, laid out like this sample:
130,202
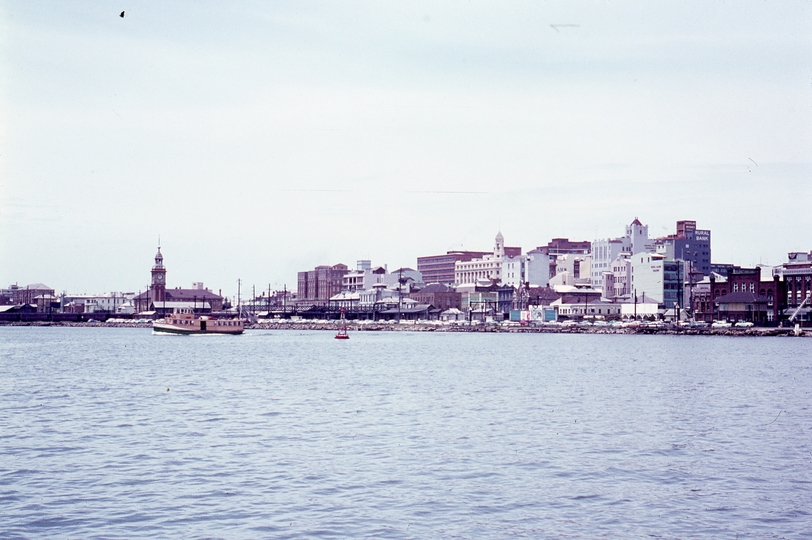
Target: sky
260,139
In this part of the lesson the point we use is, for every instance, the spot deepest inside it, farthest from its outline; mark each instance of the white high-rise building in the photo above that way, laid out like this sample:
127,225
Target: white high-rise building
538,267
606,250
514,271
648,275
637,233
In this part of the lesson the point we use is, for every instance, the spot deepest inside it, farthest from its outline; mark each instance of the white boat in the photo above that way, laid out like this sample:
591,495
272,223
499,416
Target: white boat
189,323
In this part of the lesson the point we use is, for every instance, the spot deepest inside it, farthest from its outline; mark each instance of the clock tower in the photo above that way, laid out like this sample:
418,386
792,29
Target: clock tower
158,286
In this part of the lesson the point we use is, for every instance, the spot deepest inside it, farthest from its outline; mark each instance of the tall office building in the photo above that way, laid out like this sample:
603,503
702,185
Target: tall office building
688,244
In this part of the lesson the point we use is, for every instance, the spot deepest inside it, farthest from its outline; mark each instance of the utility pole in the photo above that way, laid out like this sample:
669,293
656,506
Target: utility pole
400,280
691,289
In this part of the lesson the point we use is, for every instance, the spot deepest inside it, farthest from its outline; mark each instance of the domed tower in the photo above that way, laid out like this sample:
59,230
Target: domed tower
158,286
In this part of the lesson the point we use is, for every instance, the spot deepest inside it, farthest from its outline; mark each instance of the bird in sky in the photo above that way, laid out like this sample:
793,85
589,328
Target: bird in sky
122,15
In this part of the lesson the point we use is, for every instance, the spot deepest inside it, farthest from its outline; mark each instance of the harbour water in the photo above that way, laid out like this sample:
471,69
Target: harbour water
117,433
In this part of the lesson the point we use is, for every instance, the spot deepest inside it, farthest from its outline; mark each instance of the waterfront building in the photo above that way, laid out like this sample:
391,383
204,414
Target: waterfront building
743,307
38,295
406,277
540,267
738,279
647,270
317,286
740,294
661,279
7,296
541,296
579,302
29,293
534,268
380,292
363,277
438,295
480,305
555,247
407,310
637,233
572,270
111,302
452,315
640,306
161,300
688,244
487,267
514,271
484,300
593,308
350,301
702,299
564,246
618,283
606,250
793,282
440,268
11,312
674,276
693,245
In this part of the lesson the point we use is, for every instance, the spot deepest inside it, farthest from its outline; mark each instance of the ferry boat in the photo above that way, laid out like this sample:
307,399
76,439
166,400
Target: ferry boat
190,323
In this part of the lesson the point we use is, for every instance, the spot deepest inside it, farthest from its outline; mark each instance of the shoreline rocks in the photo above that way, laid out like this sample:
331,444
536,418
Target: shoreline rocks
482,328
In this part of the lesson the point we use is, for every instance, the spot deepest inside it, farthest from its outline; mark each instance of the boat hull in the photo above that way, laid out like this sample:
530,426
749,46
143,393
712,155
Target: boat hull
197,327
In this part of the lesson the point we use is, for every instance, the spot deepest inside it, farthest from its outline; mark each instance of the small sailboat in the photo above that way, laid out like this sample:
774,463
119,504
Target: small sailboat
342,332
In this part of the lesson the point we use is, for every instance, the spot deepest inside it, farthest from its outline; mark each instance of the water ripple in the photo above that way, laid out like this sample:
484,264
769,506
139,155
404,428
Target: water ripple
113,433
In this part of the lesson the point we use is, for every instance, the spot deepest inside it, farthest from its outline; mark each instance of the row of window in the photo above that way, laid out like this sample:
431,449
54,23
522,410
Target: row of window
744,287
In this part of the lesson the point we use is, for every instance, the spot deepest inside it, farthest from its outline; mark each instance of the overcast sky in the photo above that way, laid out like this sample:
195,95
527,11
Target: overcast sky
258,139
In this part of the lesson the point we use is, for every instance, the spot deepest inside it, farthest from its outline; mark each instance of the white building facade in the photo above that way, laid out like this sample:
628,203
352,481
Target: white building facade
647,272
488,267
538,267
514,271
605,251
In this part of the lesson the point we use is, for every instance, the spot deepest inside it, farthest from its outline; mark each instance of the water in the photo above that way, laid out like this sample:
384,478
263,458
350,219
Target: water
116,433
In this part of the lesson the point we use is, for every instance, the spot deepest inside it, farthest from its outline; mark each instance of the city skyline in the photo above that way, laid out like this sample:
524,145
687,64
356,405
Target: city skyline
249,290
258,140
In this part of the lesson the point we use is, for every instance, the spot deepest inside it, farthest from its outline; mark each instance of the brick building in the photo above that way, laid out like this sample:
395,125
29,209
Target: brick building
317,286
163,300
438,295
440,268
740,294
29,293
793,282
